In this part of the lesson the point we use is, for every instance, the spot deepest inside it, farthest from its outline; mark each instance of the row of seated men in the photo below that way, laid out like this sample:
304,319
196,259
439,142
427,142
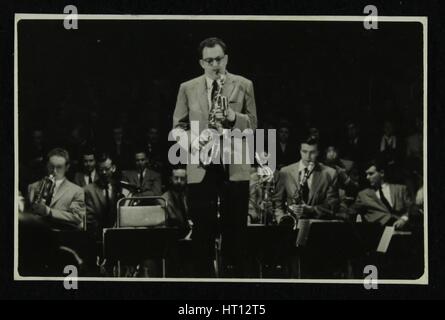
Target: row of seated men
97,189
332,190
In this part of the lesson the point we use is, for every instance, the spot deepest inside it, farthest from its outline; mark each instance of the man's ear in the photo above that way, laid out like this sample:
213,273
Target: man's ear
113,169
201,63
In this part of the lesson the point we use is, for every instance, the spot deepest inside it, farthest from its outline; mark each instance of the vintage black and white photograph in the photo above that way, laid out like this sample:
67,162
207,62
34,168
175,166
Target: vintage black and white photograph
221,148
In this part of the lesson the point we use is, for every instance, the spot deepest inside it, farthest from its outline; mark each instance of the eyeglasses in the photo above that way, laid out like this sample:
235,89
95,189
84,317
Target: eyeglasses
56,167
210,60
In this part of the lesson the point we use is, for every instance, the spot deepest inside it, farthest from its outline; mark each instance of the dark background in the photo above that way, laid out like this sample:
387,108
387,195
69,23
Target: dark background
322,72
436,70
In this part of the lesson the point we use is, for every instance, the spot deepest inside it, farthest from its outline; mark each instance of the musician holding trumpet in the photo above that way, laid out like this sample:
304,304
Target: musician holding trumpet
306,189
60,202
216,100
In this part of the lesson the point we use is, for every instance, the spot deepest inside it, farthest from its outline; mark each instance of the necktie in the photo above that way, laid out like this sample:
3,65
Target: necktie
107,196
214,89
90,179
385,201
305,186
141,178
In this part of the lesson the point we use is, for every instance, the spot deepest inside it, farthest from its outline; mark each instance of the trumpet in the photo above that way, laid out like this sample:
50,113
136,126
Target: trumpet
211,148
46,190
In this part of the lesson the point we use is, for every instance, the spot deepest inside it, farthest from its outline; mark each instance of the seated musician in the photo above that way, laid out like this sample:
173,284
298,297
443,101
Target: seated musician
382,202
147,181
347,174
101,197
307,188
88,174
177,206
56,199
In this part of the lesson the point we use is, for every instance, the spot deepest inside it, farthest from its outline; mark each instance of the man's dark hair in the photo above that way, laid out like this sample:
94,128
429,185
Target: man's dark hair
378,164
210,43
310,140
60,153
87,151
104,156
140,149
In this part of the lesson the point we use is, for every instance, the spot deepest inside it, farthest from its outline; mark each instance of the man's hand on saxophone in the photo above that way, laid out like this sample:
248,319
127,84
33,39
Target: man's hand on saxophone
301,211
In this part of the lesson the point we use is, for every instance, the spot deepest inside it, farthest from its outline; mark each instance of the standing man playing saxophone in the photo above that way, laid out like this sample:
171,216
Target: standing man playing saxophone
217,188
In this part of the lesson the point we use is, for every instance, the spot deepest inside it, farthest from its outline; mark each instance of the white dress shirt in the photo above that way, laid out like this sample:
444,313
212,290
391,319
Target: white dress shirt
388,140
110,191
87,178
386,193
143,174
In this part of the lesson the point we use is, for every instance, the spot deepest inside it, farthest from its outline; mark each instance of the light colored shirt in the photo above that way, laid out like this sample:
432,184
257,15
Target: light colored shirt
301,169
386,193
143,174
110,191
87,178
390,141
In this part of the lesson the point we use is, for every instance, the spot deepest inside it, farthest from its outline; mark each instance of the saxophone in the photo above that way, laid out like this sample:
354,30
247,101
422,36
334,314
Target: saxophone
298,198
267,185
211,147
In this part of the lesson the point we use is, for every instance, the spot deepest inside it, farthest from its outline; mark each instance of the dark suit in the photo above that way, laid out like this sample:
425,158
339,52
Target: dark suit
323,195
151,182
122,156
99,215
79,179
373,210
67,205
177,208
286,157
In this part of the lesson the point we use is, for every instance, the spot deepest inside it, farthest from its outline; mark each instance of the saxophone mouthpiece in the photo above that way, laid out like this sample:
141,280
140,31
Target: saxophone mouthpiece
311,166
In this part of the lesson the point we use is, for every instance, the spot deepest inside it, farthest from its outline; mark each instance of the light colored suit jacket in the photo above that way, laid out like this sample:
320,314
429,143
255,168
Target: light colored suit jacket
192,105
151,183
67,204
323,194
79,179
372,208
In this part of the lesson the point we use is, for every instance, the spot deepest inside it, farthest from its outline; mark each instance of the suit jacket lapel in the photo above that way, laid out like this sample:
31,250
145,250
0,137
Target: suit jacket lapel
229,86
100,195
62,189
202,97
379,202
392,196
